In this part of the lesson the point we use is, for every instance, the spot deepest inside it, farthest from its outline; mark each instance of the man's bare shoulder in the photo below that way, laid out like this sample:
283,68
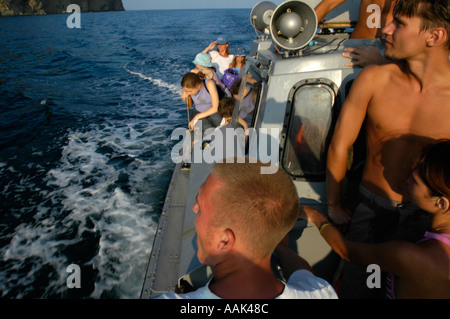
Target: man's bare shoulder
388,67
374,80
380,73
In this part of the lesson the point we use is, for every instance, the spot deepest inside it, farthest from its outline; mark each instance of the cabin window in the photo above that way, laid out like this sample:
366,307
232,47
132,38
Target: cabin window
307,128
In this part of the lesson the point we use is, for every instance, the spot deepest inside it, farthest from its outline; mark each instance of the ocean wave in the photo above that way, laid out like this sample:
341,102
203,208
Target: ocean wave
86,158
103,197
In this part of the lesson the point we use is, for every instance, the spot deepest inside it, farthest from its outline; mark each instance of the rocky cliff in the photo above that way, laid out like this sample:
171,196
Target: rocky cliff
30,7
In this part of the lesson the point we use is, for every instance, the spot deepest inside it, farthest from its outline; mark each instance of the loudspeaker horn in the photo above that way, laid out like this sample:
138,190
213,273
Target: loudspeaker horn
261,16
293,25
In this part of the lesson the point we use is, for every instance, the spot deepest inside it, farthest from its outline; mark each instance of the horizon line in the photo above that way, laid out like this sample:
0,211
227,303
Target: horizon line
185,9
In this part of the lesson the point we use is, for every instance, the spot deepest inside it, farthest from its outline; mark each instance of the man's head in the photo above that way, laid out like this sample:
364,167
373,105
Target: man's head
433,13
424,22
242,210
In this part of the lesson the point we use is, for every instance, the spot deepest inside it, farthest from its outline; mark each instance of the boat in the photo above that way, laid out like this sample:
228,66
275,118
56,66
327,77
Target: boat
301,80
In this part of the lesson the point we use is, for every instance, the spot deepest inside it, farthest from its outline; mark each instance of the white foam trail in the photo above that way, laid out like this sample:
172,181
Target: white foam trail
88,198
175,89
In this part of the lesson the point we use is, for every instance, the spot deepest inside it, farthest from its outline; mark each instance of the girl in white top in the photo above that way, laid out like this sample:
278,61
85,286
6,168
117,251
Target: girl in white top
221,58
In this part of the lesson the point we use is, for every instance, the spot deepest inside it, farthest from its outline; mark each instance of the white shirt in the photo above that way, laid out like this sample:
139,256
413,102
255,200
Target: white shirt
220,63
301,285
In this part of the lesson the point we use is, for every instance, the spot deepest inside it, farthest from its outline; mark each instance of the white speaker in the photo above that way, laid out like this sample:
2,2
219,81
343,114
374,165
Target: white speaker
293,25
261,15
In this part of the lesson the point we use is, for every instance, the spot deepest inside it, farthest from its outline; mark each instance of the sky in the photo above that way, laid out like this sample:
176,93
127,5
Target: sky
189,4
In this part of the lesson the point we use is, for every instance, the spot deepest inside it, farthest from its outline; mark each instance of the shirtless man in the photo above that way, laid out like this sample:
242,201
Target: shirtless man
405,103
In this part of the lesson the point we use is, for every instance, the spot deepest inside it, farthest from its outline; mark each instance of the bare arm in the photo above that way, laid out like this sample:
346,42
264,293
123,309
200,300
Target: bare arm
244,124
326,6
398,257
209,47
345,134
289,260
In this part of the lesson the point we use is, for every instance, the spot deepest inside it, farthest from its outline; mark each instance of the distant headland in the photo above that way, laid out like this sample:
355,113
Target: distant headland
34,7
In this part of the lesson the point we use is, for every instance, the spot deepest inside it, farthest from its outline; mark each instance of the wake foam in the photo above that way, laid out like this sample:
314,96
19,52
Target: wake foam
175,89
101,213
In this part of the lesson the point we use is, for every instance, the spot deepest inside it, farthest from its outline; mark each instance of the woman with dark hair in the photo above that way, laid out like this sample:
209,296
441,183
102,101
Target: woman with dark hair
203,93
416,270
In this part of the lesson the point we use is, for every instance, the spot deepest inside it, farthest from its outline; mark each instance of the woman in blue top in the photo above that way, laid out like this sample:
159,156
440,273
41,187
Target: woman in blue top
205,97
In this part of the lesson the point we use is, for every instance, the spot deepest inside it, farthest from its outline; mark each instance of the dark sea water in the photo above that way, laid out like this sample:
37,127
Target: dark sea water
86,117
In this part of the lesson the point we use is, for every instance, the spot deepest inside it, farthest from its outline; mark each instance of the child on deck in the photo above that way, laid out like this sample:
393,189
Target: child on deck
218,137
226,107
